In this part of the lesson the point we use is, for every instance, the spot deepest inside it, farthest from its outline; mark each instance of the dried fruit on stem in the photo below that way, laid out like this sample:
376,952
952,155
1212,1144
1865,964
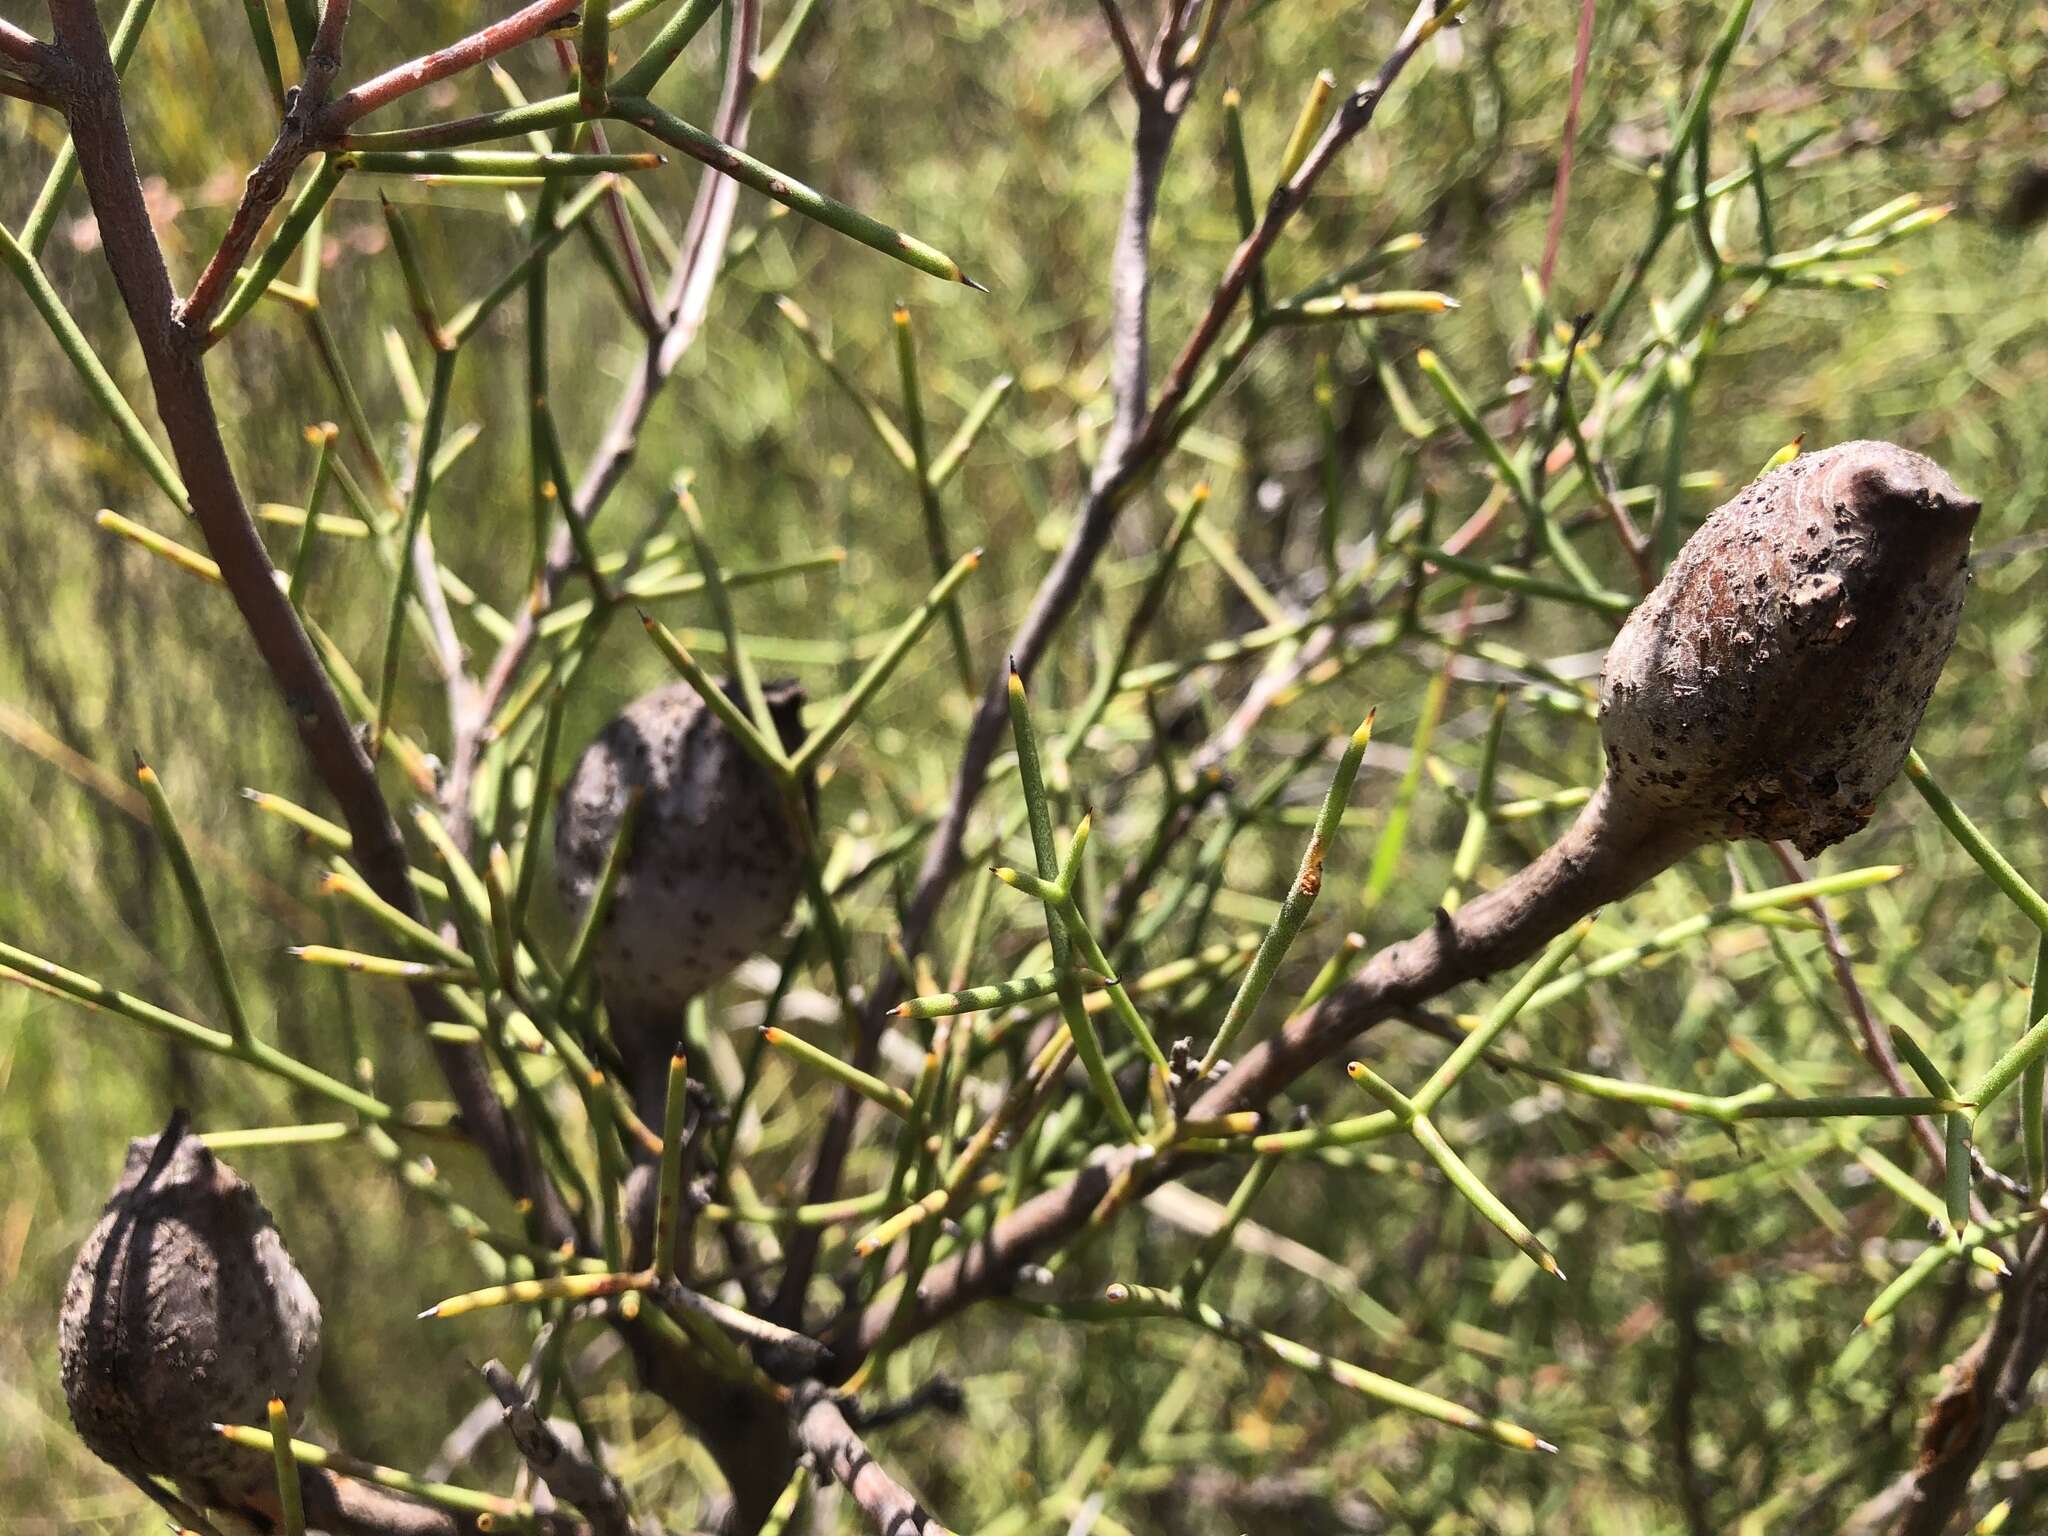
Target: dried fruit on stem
1848,569
714,866
1770,686
184,1310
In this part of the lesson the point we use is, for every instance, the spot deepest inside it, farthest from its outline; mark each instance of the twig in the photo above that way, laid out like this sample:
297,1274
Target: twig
1129,456
351,1508
1981,1391
823,1432
28,53
1162,90
629,240
185,404
1597,476
1560,195
1876,1040
22,90
1574,876
941,1393
522,26
1138,438
570,1475
30,69
684,304
296,136
1135,74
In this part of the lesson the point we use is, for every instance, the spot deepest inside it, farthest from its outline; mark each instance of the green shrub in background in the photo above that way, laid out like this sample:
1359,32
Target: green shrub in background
1329,490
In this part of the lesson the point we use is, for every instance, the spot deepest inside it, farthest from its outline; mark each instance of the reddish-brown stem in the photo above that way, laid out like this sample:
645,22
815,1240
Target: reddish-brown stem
1553,233
30,69
311,121
617,216
273,174
22,47
1874,1038
22,90
185,405
1609,851
1560,193
522,26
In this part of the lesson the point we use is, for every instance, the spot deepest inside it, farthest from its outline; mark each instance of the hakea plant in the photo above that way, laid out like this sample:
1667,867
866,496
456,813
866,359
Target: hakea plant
1768,686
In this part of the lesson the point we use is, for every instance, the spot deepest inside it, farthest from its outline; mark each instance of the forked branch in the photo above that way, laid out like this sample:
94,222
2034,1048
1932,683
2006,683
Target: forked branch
185,404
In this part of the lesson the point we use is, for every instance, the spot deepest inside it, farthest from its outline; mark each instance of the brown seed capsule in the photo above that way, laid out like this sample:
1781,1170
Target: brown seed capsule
184,1310
1770,686
713,869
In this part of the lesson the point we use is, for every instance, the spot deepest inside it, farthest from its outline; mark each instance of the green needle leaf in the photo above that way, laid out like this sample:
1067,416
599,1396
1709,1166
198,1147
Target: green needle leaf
1294,909
848,709
91,371
187,876
788,191
1087,1044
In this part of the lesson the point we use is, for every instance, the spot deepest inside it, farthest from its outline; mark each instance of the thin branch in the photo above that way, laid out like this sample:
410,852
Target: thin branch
823,1432
1137,441
1130,281
1599,479
311,122
185,405
22,90
1981,1391
31,69
645,314
1560,193
1135,75
1874,1038
273,174
1115,477
570,1475
685,303
522,26
23,48
350,1508
1582,871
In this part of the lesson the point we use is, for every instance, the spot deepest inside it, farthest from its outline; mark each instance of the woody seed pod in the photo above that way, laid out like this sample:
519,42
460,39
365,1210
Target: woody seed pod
1768,688
713,868
1771,685
184,1310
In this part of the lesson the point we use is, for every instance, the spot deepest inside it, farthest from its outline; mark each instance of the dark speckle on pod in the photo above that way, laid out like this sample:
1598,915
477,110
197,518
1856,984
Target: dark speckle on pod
1771,685
714,867
184,1310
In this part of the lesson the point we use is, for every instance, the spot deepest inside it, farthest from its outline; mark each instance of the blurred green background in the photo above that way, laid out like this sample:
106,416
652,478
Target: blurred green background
1000,134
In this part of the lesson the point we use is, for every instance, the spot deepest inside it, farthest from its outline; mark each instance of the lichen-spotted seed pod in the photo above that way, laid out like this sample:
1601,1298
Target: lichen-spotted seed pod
184,1310
1771,684
713,868
1768,688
